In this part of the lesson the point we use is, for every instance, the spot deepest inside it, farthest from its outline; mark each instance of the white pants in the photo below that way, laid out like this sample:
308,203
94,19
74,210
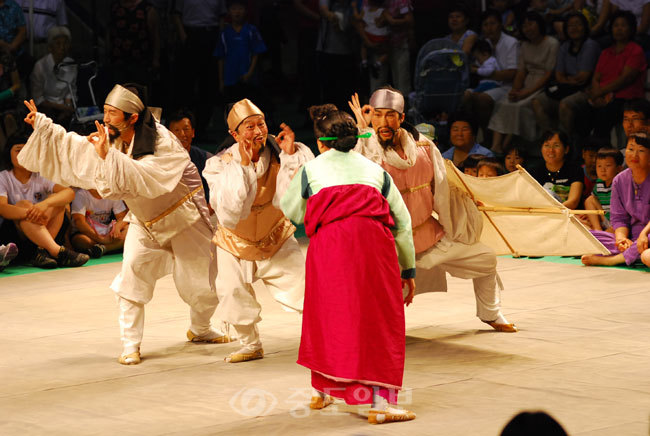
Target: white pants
283,274
477,262
189,256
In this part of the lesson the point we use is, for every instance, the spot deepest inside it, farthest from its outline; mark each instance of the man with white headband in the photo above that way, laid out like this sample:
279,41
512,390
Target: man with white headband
442,244
133,158
254,239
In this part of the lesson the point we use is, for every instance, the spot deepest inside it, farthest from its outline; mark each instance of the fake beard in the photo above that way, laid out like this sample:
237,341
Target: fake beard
115,130
387,143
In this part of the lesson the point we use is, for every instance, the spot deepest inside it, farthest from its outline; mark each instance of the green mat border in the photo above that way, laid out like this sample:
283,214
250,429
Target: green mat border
19,270
571,261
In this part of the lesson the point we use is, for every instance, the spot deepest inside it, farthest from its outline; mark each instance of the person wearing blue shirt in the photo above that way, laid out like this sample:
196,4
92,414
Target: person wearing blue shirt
462,135
238,48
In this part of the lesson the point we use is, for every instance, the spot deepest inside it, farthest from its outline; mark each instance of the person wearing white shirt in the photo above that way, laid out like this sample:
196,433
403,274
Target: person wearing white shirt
41,15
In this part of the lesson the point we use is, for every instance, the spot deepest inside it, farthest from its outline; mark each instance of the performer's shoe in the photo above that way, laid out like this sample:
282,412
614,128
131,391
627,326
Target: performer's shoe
390,414
505,328
244,355
130,359
318,402
212,337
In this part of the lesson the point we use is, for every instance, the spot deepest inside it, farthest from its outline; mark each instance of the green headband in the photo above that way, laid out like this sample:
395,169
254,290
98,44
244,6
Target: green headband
334,138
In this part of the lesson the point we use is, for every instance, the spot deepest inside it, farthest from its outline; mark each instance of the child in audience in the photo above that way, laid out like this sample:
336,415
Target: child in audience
94,232
490,167
609,162
470,164
487,65
375,37
513,155
7,254
37,207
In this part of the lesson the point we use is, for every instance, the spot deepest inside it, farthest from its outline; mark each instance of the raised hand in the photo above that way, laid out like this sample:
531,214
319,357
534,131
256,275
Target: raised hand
363,114
98,139
286,139
31,116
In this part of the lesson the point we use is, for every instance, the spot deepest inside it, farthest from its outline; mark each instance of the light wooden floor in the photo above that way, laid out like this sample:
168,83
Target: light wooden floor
583,355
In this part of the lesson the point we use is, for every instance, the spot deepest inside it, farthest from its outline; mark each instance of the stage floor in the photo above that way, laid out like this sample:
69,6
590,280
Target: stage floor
583,355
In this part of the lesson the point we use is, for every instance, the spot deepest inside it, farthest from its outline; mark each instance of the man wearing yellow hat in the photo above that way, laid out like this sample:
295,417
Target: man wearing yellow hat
254,239
134,158
446,228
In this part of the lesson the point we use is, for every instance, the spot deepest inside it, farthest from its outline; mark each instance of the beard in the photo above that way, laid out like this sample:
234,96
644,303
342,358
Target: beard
389,142
113,132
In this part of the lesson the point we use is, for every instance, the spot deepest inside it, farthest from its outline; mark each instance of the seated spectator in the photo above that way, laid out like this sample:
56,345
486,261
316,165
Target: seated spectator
576,61
374,38
490,167
470,165
636,114
513,155
44,15
589,153
481,104
533,423
629,209
181,124
238,49
50,79
462,135
461,34
507,14
609,162
94,231
33,209
9,85
486,65
12,30
599,11
641,11
514,115
8,253
619,76
561,178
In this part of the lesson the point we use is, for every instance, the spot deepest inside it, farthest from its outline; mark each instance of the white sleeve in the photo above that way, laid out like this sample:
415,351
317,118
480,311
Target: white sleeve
119,177
232,187
289,165
65,158
79,203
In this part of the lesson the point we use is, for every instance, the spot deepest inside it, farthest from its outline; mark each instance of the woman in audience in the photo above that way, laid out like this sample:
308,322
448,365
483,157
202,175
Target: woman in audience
36,206
576,61
563,179
629,209
458,21
49,88
619,76
514,115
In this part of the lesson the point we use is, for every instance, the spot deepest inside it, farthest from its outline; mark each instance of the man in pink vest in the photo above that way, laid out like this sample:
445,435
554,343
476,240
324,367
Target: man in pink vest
417,168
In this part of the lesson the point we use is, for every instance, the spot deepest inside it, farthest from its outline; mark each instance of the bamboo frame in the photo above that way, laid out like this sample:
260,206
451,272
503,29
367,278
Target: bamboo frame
539,210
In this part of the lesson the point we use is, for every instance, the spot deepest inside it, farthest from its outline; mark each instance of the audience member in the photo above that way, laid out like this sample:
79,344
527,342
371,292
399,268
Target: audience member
506,48
94,231
10,83
490,167
561,178
41,15
589,151
181,124
458,22
601,10
485,66
374,37
619,76
33,209
514,155
609,162
514,115
197,23
636,114
399,18
576,61
470,165
533,424
50,79
629,208
12,30
462,135
507,15
641,11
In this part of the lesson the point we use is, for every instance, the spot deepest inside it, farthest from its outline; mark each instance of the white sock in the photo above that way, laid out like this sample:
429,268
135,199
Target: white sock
315,393
501,319
378,402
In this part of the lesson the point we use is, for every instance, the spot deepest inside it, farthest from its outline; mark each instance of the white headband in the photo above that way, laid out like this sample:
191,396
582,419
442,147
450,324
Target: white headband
387,99
124,100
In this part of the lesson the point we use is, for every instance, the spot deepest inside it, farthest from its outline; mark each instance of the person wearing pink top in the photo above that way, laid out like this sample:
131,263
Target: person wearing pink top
441,244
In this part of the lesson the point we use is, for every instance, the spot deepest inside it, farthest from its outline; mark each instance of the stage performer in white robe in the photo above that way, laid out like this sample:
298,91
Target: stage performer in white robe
353,333
254,239
448,241
133,158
